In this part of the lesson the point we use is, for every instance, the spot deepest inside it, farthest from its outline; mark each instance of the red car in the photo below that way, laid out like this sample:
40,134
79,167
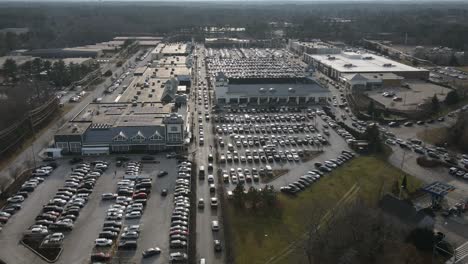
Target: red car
141,195
101,256
179,232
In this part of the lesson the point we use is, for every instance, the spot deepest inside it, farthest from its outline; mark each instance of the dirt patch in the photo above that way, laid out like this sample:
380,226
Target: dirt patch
310,155
435,136
266,178
49,254
428,163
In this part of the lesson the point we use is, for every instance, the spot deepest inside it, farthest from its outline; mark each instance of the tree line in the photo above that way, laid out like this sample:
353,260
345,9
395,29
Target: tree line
57,73
72,24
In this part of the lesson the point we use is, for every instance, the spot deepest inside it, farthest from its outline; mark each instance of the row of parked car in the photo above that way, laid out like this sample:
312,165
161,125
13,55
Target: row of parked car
314,175
129,202
460,173
179,231
14,203
260,118
271,128
61,212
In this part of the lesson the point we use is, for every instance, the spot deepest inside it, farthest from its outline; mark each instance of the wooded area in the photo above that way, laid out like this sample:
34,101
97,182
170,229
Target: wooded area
72,24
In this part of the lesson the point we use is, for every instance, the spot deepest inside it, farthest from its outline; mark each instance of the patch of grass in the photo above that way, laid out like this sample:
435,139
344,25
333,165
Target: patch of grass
256,238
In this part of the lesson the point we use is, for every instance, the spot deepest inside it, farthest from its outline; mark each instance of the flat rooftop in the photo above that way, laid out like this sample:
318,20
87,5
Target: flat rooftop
174,48
356,62
173,60
137,90
374,76
75,128
123,114
167,72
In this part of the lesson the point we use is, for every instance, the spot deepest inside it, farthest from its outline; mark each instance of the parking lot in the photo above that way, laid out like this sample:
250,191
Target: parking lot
273,146
79,243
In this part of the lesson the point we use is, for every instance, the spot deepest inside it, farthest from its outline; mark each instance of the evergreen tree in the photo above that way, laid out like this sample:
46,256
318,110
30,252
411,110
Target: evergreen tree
10,68
435,104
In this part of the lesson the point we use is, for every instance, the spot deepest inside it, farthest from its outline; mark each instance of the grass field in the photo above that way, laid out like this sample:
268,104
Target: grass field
256,238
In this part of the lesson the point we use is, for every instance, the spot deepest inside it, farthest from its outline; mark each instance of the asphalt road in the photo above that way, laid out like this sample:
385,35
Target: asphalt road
46,138
205,236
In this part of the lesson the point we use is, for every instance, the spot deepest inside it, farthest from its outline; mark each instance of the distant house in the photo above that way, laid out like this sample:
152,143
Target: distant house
405,212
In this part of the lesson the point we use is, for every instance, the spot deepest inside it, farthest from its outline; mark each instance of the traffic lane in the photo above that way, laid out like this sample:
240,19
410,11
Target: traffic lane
406,160
91,218
413,131
13,252
205,236
428,175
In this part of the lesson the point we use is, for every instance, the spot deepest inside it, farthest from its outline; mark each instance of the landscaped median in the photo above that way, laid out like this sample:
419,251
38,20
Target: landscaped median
260,234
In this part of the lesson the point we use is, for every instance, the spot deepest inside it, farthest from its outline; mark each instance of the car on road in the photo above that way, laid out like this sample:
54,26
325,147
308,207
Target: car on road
217,246
201,203
162,174
214,202
215,225
151,252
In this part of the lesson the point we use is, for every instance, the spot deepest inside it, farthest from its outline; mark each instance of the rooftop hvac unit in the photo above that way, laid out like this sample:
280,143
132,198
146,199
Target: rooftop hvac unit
388,65
348,65
367,58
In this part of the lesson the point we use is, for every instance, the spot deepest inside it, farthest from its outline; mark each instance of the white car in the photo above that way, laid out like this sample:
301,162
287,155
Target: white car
215,225
56,237
103,242
130,235
210,178
133,215
16,199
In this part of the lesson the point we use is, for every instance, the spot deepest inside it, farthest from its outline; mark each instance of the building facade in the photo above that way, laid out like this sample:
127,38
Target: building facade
303,91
